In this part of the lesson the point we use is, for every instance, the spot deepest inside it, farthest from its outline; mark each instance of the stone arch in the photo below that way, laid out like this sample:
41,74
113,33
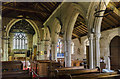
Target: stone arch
55,29
104,45
13,21
74,12
93,22
114,52
9,25
94,26
68,27
47,33
110,37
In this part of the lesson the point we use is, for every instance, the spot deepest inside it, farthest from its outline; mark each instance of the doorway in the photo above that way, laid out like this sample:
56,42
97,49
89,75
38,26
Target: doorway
115,53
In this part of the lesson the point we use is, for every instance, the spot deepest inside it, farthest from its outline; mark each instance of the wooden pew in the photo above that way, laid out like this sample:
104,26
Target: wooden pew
111,75
12,65
74,70
14,69
76,73
66,73
43,68
16,74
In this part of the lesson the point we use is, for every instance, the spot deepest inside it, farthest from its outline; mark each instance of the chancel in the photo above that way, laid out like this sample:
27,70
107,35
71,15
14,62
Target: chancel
60,40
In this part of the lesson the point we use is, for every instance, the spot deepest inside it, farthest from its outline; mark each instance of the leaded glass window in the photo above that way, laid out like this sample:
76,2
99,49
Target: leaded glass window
20,41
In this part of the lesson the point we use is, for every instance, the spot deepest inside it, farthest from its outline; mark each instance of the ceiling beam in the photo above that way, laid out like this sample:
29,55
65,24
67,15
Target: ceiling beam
79,30
115,10
24,10
75,35
113,19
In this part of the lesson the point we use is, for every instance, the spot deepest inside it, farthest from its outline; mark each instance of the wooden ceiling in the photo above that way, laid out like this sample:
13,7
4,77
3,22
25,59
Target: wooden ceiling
108,22
42,10
35,10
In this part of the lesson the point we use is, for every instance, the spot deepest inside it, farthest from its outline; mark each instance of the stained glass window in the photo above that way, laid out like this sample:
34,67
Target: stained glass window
60,53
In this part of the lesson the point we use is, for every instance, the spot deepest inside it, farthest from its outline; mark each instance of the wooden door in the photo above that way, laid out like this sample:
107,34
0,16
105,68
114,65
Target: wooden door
115,53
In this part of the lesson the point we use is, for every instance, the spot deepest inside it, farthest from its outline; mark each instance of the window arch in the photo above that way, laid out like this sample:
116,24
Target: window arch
20,41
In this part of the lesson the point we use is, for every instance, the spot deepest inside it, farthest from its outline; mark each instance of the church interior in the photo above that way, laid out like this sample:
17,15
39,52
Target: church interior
60,40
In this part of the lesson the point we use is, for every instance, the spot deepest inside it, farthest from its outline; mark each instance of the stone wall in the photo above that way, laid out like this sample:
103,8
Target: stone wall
79,48
106,37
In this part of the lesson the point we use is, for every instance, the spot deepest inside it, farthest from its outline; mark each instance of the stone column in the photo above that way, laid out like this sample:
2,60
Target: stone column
54,51
97,50
91,51
0,40
38,49
5,56
47,49
41,54
108,63
68,46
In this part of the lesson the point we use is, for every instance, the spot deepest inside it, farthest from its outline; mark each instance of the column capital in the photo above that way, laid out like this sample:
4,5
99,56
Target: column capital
90,36
6,37
97,35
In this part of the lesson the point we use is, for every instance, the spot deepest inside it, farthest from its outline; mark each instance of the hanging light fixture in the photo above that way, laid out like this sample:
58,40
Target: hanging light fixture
98,11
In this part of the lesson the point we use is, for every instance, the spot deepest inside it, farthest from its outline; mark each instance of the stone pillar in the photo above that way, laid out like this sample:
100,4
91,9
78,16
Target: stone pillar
108,63
91,66
47,49
41,54
5,56
38,50
68,46
97,50
54,51
0,39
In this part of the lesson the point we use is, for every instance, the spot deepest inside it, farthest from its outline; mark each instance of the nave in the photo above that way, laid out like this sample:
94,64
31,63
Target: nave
60,40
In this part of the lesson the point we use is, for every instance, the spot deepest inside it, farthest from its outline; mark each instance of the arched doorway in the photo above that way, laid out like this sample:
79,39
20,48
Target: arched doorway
115,53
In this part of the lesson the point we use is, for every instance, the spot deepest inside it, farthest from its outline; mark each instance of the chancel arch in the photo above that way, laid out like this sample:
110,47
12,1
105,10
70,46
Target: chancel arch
13,21
19,36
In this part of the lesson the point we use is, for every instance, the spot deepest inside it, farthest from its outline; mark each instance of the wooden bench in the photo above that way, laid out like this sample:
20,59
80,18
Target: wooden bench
12,66
74,70
66,73
111,75
43,68
76,73
14,70
16,74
